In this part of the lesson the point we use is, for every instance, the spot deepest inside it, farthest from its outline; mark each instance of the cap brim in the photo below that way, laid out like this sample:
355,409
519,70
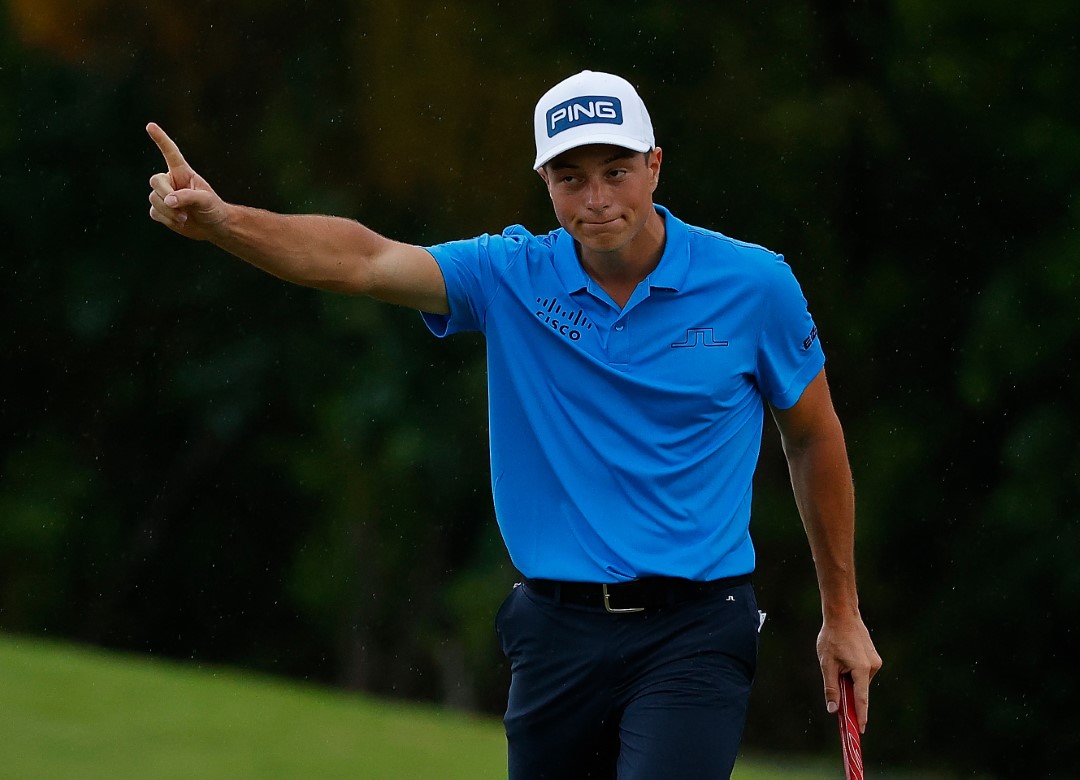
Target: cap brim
611,139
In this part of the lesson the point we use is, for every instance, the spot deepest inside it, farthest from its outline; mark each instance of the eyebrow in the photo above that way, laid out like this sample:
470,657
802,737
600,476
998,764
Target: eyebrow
622,155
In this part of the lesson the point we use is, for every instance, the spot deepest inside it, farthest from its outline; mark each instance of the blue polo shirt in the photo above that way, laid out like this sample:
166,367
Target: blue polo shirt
624,441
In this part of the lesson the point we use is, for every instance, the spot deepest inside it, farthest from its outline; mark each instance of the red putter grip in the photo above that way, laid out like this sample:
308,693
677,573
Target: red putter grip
850,742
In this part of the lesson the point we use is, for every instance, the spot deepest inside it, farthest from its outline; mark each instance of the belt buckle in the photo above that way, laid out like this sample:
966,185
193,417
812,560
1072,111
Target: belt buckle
615,610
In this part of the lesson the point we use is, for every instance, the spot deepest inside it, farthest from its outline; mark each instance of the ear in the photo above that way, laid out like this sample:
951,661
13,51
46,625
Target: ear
543,171
654,166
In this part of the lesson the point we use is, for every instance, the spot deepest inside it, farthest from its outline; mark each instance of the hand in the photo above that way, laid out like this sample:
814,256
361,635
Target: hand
181,199
845,646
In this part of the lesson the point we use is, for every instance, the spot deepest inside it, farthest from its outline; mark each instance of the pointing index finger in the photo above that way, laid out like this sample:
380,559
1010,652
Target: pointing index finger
169,150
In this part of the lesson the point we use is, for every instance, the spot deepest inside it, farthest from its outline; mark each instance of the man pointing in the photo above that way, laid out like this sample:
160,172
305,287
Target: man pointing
630,360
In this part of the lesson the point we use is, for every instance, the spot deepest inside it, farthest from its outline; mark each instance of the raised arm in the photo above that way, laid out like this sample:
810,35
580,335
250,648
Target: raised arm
821,479
330,253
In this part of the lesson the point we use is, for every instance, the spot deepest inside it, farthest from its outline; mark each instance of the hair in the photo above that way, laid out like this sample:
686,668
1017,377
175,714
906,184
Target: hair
645,156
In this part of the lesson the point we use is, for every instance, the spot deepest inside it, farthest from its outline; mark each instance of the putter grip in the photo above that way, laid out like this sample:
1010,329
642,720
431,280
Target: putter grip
850,743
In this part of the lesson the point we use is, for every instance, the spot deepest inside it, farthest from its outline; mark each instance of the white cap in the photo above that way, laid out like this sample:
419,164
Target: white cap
590,108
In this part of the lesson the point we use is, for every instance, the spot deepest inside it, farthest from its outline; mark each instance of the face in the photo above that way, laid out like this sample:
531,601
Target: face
603,194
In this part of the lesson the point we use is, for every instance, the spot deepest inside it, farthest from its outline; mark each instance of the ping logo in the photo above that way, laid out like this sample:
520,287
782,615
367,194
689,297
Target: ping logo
565,322
809,340
699,337
584,110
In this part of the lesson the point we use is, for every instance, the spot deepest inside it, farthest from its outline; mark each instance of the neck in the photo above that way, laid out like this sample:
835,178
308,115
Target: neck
620,270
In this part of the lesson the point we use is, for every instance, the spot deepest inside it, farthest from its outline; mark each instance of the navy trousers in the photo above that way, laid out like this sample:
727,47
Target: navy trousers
655,694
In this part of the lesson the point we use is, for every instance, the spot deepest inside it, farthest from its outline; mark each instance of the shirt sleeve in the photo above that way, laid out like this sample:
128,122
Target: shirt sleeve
472,270
789,353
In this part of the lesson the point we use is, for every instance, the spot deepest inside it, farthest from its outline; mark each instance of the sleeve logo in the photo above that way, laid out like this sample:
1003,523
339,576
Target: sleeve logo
809,340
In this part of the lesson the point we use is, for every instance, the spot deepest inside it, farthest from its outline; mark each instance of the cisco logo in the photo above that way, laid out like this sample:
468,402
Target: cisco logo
567,323
584,110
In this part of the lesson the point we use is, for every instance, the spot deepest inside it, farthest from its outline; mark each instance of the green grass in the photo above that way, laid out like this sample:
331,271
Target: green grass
73,712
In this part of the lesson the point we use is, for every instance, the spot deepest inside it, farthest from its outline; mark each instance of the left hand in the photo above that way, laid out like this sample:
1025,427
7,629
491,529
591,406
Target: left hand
844,645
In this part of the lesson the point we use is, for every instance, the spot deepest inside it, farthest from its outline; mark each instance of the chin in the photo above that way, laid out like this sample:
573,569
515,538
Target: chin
603,247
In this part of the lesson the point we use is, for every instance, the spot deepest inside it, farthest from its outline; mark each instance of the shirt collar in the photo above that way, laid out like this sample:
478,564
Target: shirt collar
669,274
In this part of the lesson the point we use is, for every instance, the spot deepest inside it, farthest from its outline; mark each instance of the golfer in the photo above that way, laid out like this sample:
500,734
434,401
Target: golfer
631,357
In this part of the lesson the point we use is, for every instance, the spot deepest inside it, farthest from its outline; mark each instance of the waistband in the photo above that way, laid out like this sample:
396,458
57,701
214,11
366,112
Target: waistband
634,595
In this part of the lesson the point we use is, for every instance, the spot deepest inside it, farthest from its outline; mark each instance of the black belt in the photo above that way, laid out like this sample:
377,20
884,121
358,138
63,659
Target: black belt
635,595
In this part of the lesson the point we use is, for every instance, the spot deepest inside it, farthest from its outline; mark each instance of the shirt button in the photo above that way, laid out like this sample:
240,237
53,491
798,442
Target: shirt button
619,326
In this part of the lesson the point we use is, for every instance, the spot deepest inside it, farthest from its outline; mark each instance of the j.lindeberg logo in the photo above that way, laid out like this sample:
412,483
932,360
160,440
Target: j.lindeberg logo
565,322
699,337
584,110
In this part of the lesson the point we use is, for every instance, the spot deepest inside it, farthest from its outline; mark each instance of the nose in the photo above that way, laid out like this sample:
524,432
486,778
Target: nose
596,195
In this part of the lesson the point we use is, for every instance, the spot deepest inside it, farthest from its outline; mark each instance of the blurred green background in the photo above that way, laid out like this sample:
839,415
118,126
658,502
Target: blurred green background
201,462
